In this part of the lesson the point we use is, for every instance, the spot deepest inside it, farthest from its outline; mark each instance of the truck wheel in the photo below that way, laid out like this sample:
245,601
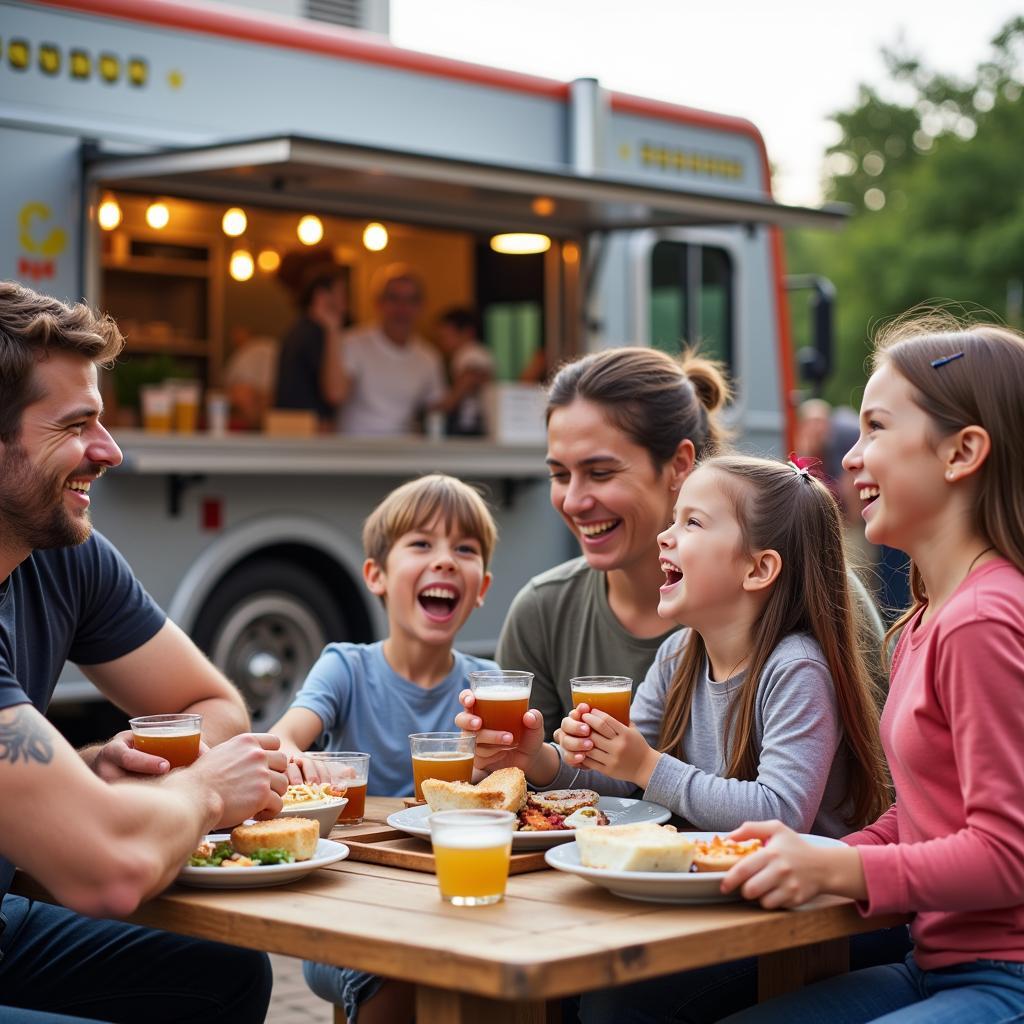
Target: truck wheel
264,626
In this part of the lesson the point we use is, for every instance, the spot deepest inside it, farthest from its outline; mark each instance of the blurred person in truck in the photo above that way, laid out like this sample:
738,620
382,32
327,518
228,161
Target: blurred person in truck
470,368
67,594
304,364
383,376
250,376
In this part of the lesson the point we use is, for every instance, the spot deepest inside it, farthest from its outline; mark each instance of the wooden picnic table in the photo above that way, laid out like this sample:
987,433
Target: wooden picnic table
553,935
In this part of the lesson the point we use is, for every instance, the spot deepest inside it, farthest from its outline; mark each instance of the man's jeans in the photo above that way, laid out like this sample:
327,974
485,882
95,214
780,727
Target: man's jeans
980,992
61,966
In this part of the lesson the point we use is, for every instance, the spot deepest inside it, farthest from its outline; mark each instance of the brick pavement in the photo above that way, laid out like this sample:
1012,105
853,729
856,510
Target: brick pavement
291,1001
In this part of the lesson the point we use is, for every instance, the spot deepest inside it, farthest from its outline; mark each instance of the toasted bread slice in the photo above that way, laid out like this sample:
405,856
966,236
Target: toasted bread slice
640,847
504,790
297,835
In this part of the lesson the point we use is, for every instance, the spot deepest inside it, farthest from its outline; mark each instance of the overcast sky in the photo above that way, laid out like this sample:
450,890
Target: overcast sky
785,65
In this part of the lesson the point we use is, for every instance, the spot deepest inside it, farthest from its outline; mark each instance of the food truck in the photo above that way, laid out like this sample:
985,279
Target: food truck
161,159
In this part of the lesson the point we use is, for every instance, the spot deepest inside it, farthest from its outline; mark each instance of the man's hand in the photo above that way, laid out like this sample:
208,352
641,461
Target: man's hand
247,772
118,759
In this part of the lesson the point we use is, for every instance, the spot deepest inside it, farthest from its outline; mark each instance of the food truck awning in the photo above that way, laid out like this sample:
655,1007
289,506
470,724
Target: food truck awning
334,177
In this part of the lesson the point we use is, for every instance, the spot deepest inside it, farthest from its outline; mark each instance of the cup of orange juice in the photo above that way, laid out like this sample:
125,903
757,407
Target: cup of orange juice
610,694
348,770
172,737
502,698
441,755
471,855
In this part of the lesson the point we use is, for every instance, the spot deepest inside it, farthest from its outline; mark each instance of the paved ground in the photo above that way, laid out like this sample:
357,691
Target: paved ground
291,1001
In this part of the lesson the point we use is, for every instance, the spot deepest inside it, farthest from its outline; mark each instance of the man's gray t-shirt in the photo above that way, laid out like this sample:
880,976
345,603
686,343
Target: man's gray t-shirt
560,625
802,760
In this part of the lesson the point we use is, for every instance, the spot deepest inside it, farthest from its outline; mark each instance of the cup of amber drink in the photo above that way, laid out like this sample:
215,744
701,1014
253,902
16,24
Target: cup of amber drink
610,694
502,698
471,855
348,770
175,738
441,755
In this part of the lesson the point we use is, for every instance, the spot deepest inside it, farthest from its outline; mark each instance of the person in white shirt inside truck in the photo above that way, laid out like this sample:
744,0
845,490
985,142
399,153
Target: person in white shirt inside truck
99,840
383,376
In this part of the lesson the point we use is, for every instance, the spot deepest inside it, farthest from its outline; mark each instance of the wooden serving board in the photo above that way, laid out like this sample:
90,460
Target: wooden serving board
396,849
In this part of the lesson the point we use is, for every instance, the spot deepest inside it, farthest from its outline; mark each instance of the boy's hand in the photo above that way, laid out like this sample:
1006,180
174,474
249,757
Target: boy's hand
790,871
594,740
494,749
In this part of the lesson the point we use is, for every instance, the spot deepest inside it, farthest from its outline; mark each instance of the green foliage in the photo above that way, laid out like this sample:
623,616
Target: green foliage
935,179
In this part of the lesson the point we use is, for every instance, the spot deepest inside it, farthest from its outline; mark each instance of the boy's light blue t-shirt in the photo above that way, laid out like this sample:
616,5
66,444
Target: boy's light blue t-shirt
365,705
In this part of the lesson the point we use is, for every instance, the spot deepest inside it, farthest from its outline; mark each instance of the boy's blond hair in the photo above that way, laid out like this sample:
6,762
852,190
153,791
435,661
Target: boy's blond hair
417,503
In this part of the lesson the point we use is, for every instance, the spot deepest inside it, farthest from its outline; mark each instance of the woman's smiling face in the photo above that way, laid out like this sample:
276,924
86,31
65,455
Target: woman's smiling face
606,488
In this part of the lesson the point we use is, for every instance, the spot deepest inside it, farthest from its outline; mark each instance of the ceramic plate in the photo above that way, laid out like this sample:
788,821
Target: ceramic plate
619,810
327,852
657,886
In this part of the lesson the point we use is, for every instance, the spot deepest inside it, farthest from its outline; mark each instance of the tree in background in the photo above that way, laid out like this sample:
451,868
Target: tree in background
936,180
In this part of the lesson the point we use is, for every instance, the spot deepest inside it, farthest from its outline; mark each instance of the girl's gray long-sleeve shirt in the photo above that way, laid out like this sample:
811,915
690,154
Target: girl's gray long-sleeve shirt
802,763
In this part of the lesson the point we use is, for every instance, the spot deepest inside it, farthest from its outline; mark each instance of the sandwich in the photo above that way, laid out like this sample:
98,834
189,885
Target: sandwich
639,847
297,836
720,854
561,809
503,790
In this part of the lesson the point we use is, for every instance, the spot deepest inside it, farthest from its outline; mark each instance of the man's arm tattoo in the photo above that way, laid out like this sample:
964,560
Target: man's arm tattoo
24,735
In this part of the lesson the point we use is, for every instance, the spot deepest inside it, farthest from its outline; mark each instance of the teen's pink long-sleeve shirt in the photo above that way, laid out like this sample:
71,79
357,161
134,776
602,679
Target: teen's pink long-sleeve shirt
951,848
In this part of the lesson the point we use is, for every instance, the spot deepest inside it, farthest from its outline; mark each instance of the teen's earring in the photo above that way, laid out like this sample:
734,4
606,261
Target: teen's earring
949,474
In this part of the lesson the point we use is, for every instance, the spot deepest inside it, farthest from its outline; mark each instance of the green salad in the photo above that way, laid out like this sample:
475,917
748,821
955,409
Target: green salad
213,855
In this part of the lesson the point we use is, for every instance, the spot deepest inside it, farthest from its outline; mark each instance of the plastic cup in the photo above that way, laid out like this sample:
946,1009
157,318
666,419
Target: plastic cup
502,698
610,694
471,855
348,770
175,738
157,408
186,406
441,755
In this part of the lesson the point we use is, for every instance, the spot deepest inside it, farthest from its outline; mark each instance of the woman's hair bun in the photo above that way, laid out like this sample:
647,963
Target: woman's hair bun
708,379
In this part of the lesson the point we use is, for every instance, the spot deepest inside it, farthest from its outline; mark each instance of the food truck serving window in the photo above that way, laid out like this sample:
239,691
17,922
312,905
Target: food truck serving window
692,299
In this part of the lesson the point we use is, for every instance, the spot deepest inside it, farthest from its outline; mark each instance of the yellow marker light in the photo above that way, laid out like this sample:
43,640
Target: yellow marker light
375,237
241,266
520,243
234,222
158,216
109,215
268,260
138,71
543,206
19,53
49,59
310,230
81,64
110,67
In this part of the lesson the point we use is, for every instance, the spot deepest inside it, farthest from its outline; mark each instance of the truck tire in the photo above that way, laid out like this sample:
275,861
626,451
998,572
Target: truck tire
264,626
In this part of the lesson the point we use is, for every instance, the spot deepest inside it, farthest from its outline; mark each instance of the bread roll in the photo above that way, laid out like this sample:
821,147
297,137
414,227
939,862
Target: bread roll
503,790
721,854
296,835
640,847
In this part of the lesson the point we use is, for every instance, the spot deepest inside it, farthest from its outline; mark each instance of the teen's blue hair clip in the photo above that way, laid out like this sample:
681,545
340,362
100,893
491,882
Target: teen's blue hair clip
942,360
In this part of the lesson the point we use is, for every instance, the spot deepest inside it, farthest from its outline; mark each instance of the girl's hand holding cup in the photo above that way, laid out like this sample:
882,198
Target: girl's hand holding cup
594,740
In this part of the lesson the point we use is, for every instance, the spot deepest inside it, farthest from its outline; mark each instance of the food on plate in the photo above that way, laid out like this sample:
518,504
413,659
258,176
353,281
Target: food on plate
298,836
224,855
639,847
504,790
720,854
311,792
560,809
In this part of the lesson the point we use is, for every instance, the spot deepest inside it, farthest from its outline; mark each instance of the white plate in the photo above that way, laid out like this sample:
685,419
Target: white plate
657,886
327,852
619,810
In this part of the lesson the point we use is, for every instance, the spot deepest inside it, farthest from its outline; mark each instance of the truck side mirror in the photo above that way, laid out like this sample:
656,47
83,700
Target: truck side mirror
816,360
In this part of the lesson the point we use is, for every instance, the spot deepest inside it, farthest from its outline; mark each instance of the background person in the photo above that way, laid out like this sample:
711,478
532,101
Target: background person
470,368
304,363
941,461
65,593
250,376
383,376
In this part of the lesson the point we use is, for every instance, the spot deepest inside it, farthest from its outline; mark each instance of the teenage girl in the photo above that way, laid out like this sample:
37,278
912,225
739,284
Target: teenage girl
940,470
762,707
